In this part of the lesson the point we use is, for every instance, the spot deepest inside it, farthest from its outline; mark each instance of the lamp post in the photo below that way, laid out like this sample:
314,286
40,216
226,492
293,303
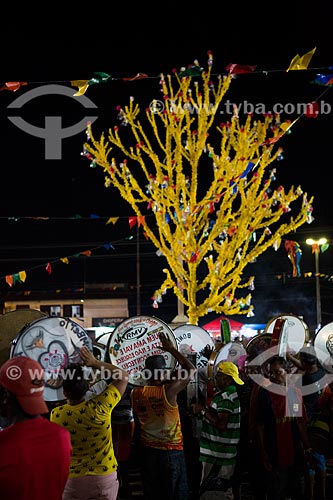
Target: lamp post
315,250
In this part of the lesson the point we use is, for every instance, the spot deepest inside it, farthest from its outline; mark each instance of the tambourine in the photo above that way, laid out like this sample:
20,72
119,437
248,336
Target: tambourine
212,359
323,346
100,345
192,340
288,331
258,344
103,338
231,351
54,342
11,324
135,339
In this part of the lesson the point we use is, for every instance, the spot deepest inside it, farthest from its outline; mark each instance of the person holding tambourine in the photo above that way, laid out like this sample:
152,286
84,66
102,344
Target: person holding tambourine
93,468
313,374
155,406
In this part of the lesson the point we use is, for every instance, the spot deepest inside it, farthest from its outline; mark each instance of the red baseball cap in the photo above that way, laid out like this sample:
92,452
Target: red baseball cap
24,377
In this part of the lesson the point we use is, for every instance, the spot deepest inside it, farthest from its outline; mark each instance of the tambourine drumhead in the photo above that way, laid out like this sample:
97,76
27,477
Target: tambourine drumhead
192,340
55,343
231,351
11,324
135,339
323,345
103,338
258,344
293,335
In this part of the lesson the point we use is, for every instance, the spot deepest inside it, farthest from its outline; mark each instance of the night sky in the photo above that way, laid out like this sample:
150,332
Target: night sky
71,196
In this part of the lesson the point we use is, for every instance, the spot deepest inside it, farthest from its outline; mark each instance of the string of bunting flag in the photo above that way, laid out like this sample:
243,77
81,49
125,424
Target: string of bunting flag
322,276
132,220
293,249
297,63
20,277
279,277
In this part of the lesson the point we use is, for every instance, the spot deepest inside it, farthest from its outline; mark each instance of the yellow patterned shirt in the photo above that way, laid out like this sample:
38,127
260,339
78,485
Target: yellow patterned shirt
89,424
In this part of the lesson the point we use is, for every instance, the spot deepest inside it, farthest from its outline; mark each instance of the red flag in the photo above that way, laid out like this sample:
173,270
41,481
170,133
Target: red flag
194,256
138,76
87,253
312,110
132,221
13,86
237,69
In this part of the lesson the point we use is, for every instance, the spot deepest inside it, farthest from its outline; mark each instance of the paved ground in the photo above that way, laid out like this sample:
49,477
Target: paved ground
136,488
246,494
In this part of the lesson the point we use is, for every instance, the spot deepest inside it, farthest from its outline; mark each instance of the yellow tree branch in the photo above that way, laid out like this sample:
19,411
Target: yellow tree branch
207,185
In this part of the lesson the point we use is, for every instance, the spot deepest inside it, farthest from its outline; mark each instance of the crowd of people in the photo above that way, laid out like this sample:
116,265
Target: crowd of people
266,421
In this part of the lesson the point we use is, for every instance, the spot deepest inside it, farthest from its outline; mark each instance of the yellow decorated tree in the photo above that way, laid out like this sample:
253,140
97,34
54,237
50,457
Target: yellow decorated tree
201,190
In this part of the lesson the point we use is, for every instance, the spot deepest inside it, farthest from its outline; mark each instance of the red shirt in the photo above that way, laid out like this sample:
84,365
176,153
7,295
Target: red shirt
34,460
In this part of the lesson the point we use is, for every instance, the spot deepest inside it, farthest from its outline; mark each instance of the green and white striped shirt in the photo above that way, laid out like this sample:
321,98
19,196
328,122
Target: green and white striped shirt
216,446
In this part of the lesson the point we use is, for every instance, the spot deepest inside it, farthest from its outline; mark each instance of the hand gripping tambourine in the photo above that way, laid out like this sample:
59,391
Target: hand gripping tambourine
134,340
98,343
192,340
55,343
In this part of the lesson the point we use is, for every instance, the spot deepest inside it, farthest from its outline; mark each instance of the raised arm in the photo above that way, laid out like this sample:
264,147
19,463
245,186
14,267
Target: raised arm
295,361
187,372
108,370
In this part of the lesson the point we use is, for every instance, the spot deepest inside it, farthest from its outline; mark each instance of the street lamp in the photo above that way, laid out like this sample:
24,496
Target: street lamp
316,249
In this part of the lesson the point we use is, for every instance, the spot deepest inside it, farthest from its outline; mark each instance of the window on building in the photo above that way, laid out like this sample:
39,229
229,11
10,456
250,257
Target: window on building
73,311
51,310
